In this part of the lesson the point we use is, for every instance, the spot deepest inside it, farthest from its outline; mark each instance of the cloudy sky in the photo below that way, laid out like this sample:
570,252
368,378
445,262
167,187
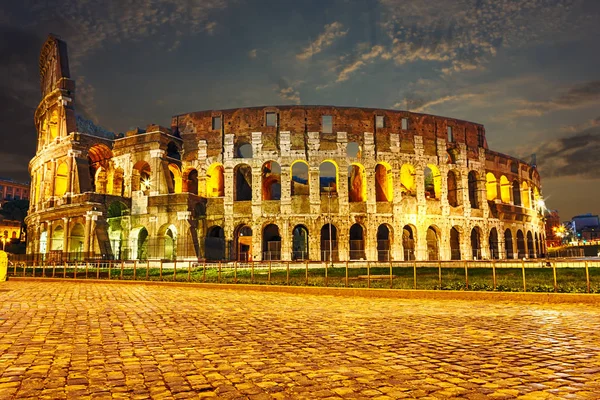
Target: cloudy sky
529,70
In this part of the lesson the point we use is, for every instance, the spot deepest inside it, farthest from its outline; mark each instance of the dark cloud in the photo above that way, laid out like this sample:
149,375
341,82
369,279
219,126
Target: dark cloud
580,94
574,155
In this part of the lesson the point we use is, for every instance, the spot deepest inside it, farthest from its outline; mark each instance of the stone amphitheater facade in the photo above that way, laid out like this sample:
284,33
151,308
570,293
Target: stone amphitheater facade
274,183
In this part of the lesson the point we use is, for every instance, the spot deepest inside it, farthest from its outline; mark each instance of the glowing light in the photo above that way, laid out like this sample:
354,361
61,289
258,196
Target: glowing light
147,183
541,204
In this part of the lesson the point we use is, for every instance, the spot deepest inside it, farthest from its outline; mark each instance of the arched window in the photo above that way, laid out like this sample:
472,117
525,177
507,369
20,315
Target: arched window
329,245
100,180
433,182
271,243
454,244
176,181
384,183
53,125
516,193
300,243
271,181
58,236
473,193
433,247
357,242
408,243
215,182
491,186
243,182
357,184
521,244
243,243
454,195
76,239
61,180
508,244
493,242
328,177
384,244
192,181
117,187
407,180
300,182
525,195
476,244
530,245
140,177
173,151
505,189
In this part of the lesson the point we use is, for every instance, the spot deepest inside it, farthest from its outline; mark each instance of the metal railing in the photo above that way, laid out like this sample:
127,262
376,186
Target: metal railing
556,275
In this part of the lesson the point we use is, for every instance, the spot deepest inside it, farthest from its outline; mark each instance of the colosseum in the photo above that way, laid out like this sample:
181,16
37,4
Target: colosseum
315,183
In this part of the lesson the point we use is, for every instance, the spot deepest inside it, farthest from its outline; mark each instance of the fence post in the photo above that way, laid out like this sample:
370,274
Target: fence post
64,271
32,269
109,270
43,270
391,275
467,274
87,266
122,269
219,275
252,273
440,274
368,275
235,272
524,282
147,270
306,276
587,276
554,274
415,274
97,269
174,270
494,273
15,270
269,276
189,277
288,273
134,270
53,268
326,278
346,273
75,271
204,271
160,270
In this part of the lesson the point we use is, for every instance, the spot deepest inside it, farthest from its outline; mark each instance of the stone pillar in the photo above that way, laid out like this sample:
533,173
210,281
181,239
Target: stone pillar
72,166
184,238
285,231
157,173
314,190
67,236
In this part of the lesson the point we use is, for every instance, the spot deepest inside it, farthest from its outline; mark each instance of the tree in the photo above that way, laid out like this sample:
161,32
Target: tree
15,210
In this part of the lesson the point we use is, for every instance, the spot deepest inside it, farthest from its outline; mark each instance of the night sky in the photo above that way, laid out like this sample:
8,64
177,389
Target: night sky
529,70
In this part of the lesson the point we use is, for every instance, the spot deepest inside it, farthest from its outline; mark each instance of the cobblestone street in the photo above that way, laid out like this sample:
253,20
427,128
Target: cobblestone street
83,340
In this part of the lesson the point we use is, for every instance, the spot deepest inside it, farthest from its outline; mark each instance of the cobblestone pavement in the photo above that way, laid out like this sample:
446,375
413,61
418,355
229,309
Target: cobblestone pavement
83,340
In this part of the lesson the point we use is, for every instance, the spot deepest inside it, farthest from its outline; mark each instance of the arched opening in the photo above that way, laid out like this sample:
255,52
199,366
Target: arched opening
530,245
353,150
173,151
214,244
493,242
538,204
176,181
61,179
525,195
99,156
191,181
454,244
408,243
329,244
138,244
433,247
58,237
169,243
508,244
357,184
538,246
53,125
357,242
43,242
115,211
514,167
76,239
328,177
516,193
117,186
384,244
243,243
141,177
243,182
491,186
243,150
271,242
433,182
505,189
408,185
384,183
473,194
300,185
476,244
300,243
215,181
271,181
521,244
454,198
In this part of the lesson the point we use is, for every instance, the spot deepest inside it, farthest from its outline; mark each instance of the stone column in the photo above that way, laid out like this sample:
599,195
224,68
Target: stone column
157,173
72,166
184,239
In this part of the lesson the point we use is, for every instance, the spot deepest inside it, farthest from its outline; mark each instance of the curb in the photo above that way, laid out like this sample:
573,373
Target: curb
355,292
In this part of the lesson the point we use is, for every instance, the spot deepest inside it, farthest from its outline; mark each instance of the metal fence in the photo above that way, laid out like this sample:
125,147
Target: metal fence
556,275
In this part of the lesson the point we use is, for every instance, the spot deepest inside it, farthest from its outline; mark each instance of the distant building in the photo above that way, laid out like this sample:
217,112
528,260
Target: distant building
586,226
11,190
552,226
